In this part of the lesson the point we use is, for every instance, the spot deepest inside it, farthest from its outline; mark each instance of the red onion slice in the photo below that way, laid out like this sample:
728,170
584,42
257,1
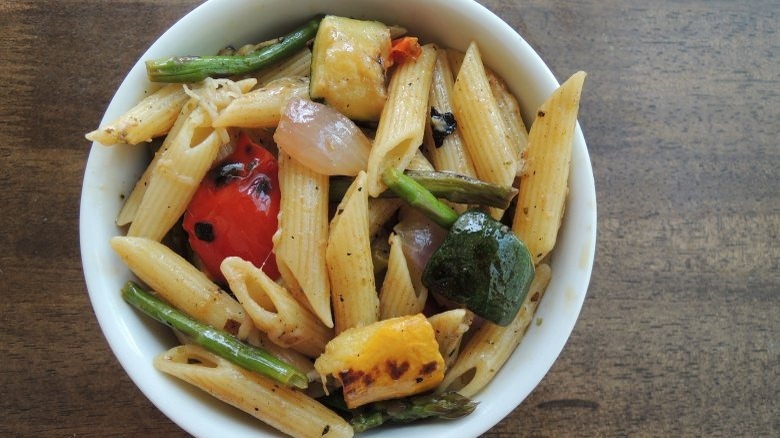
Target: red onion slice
322,138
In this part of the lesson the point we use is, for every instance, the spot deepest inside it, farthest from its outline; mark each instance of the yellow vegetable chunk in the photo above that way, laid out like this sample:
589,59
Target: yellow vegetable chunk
348,66
388,359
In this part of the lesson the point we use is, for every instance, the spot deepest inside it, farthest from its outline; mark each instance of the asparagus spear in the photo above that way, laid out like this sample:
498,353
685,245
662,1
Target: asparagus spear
419,197
217,341
445,406
195,68
448,185
481,265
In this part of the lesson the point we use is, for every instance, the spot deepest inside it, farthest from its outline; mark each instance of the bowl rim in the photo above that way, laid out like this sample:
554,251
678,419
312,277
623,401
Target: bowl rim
129,335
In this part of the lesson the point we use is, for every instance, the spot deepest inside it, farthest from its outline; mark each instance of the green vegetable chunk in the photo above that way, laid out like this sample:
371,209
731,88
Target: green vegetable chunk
182,69
483,266
442,184
446,406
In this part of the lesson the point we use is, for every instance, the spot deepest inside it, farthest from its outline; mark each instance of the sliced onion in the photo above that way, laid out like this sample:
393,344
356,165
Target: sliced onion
322,138
420,237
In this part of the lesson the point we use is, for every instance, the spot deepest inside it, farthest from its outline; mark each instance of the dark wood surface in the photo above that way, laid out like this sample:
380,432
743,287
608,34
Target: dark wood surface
681,111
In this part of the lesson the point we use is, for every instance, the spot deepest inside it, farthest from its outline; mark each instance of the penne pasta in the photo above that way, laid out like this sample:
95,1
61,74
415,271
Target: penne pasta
297,65
151,117
402,123
281,407
184,157
517,133
133,201
509,109
301,240
490,347
419,162
353,291
175,177
182,285
449,327
273,310
455,59
543,183
380,210
398,296
262,107
480,123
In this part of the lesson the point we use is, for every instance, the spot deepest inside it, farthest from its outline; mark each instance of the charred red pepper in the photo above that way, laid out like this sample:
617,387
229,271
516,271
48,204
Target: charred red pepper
404,49
234,211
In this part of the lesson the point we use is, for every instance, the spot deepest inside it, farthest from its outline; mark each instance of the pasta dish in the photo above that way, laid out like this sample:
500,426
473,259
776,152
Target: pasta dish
345,226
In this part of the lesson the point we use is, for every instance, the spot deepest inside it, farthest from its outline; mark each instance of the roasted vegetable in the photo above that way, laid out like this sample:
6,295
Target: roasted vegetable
196,68
444,406
405,49
234,211
348,66
442,125
442,184
481,264
393,358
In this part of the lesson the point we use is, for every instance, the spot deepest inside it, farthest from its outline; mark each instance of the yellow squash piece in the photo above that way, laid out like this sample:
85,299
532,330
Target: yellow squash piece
348,66
388,359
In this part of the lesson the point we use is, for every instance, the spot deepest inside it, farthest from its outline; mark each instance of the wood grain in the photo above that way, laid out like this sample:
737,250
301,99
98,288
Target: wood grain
681,112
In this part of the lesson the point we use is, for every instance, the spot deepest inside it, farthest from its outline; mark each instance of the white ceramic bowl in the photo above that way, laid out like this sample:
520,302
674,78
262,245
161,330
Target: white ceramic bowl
111,172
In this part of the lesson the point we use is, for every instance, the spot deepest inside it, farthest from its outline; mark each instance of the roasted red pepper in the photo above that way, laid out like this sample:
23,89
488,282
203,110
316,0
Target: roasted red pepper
234,211
404,49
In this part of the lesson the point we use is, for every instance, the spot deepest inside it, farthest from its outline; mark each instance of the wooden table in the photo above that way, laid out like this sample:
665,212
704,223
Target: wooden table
679,332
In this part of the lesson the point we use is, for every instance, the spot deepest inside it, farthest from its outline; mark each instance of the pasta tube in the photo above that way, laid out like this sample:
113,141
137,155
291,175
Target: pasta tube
543,184
262,107
402,123
509,109
182,285
301,240
274,310
216,94
348,255
450,326
175,179
285,409
480,123
398,296
151,117
298,64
